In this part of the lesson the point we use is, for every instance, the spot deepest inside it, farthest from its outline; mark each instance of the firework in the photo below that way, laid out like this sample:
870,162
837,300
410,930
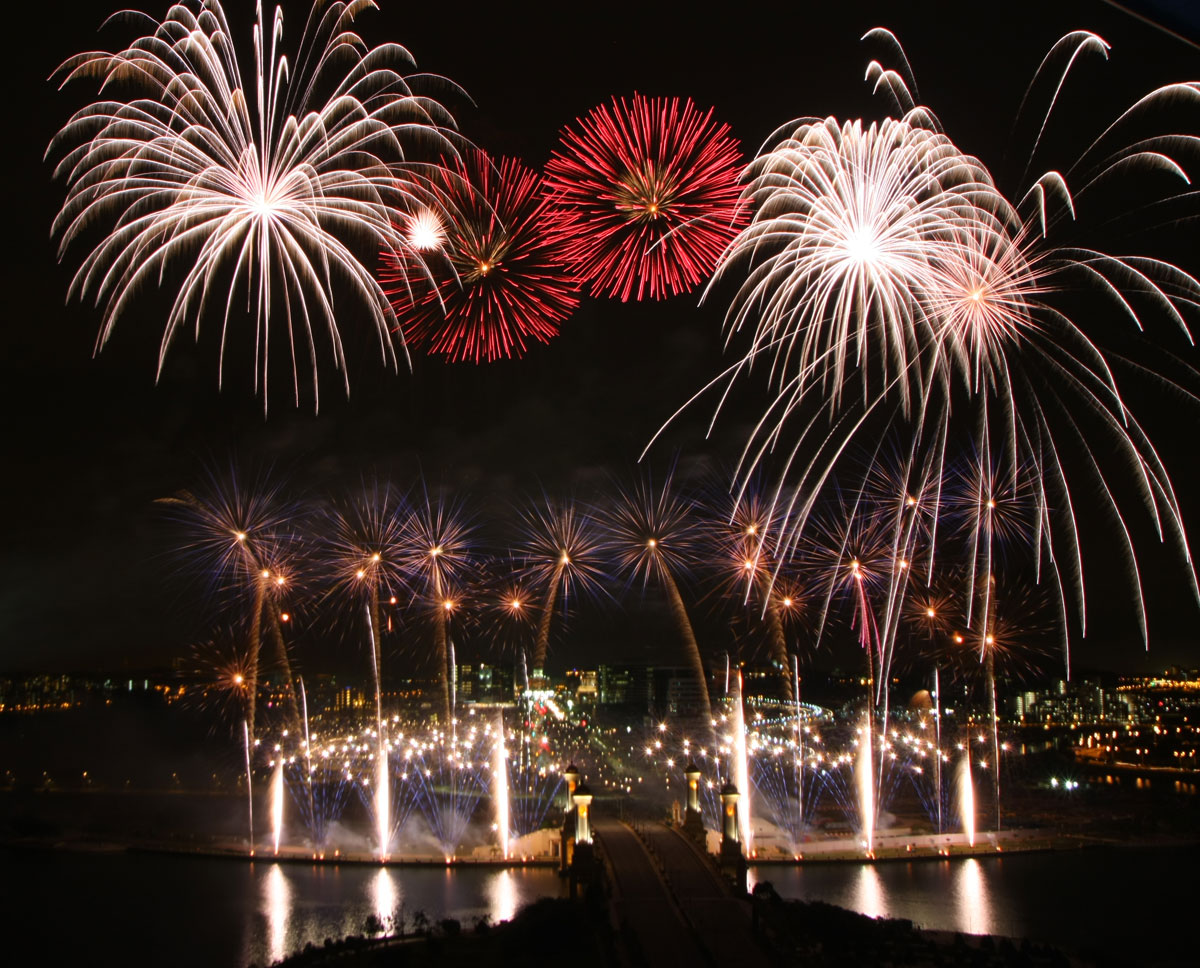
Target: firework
838,250
366,548
510,611
225,182
563,553
440,557
224,676
245,536
500,287
654,534
891,282
743,531
645,196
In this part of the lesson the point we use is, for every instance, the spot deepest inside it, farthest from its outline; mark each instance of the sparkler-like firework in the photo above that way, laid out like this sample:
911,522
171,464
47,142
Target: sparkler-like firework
500,287
741,531
243,535
654,534
232,182
367,548
439,556
562,553
644,196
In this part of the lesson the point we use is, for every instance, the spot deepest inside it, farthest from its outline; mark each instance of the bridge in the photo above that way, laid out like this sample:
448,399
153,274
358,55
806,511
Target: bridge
669,904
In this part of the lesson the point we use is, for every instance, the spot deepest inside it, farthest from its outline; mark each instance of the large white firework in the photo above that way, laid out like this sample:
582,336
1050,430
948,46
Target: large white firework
892,287
845,216
261,192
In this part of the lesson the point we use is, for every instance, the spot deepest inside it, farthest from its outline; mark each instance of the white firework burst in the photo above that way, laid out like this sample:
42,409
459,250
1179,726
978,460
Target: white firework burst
262,193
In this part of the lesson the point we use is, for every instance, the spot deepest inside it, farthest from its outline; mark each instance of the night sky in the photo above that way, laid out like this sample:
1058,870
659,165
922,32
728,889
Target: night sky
86,571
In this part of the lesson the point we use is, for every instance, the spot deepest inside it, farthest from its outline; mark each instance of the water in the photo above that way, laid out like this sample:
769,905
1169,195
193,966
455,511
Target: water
181,910
1132,903
1128,902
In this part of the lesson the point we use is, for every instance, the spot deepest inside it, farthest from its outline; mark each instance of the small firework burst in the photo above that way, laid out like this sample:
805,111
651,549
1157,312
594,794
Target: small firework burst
645,196
225,675
500,287
654,530
562,553
366,548
654,533
236,526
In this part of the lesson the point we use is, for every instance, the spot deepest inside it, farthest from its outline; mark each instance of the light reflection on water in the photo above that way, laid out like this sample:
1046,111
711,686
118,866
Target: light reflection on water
868,892
299,904
132,899
1065,898
971,893
277,906
385,898
503,896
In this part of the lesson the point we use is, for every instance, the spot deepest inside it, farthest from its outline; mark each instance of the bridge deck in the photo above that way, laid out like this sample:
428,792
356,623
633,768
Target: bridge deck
675,905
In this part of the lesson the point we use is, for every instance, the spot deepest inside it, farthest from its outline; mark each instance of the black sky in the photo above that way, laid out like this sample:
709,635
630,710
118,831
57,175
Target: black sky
91,442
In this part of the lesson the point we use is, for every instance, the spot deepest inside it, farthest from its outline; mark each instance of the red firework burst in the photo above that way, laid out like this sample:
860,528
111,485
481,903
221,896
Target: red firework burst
500,285
645,196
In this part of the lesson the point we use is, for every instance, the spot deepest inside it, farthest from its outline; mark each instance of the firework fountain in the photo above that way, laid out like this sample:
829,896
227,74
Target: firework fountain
798,749
937,758
277,800
864,776
966,795
249,786
500,784
741,766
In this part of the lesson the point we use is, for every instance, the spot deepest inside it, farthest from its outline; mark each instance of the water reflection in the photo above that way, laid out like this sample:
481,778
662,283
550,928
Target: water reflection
277,906
971,893
868,892
294,905
385,896
503,896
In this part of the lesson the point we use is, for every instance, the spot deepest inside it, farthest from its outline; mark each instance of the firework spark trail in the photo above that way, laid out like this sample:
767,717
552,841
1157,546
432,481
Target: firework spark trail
644,196
500,287
254,182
